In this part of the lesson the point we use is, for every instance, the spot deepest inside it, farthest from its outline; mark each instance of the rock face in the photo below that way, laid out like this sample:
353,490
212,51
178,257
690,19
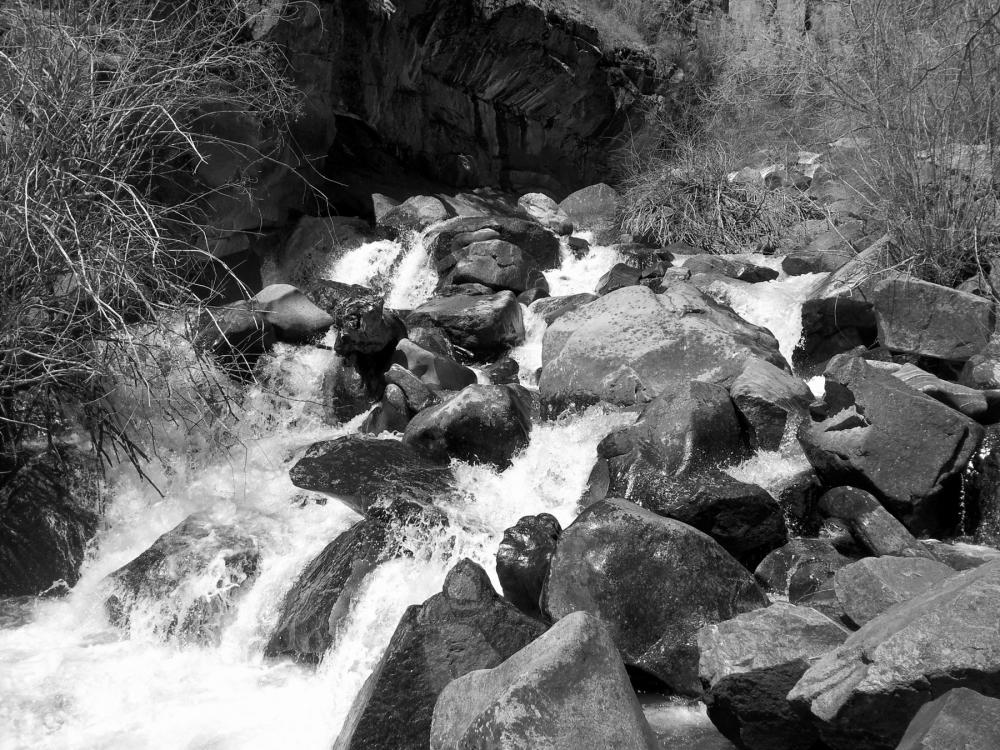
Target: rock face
883,436
546,212
362,471
565,691
485,325
653,581
869,587
467,626
321,596
863,695
48,513
803,570
961,718
748,665
632,345
523,560
480,424
192,575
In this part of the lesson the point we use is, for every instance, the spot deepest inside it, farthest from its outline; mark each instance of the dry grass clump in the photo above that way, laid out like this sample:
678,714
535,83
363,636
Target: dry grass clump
106,114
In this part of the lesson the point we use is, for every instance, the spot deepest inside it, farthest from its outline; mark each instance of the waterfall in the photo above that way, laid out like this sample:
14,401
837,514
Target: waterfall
69,680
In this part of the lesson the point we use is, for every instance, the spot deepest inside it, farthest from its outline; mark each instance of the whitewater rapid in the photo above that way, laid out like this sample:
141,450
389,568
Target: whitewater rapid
69,681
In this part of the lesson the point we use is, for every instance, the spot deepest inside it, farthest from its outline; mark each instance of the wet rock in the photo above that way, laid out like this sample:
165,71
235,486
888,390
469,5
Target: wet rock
391,414
552,308
523,560
535,293
803,570
363,471
345,395
414,214
504,371
748,665
961,718
368,335
480,424
869,587
48,513
621,275
546,212
483,325
863,695
886,437
734,269
236,336
653,581
334,296
632,345
316,242
466,627
930,320
434,370
190,579
594,209
291,313
499,265
768,398
566,690
433,339
315,605
449,242
872,526
418,395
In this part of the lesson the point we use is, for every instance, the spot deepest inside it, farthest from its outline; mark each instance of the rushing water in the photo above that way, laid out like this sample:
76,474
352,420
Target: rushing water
68,680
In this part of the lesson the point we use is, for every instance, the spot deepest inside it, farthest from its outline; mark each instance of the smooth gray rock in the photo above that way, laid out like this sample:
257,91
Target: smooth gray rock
869,587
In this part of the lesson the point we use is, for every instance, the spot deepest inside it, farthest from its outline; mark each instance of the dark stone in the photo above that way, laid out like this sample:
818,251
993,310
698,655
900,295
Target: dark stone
504,371
621,275
291,314
871,524
961,718
450,243
368,335
434,370
552,308
335,296
345,395
391,414
499,265
740,270
482,325
417,394
523,560
803,570
237,336
768,398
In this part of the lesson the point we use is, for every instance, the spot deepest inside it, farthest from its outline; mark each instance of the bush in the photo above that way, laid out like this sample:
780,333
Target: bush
106,111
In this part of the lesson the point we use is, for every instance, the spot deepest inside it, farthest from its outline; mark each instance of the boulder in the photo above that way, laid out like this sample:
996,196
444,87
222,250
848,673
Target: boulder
391,414
292,315
315,605
621,275
433,370
187,584
480,424
546,212
552,308
363,471
961,718
505,371
871,525
417,394
864,694
367,338
414,214
653,581
869,587
500,266
828,251
734,269
565,691
768,398
523,560
748,665
930,320
594,209
802,570
236,335
48,514
467,626
980,405
316,242
334,296
982,370
886,437
483,325
633,345
449,242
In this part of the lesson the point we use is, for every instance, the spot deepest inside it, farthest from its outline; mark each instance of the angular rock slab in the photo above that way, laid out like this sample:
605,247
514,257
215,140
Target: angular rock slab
869,587
863,695
653,581
565,691
632,345
961,718
768,398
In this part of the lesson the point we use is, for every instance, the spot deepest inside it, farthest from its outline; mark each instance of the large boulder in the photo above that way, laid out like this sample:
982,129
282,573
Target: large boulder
769,399
523,560
654,581
467,626
292,315
930,320
863,695
546,212
870,524
632,345
594,209
367,338
733,269
499,265
886,437
748,665
869,587
961,718
450,242
803,571
480,424
315,605
187,584
553,308
484,325
565,691
48,514
363,471
434,370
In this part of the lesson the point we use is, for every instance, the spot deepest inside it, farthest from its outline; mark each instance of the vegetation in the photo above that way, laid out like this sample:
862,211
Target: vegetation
106,117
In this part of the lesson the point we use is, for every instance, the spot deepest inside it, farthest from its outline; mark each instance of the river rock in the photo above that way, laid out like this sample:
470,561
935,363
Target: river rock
486,326
546,212
768,398
653,581
467,626
316,603
391,414
334,296
361,471
748,665
505,371
803,570
871,525
192,577
959,555
345,394
48,514
982,370
433,370
930,320
621,275
980,405
633,345
961,718
367,337
417,394
863,695
449,242
594,209
499,265
889,438
565,691
237,336
733,269
292,315
480,424
414,214
523,560
552,308
869,587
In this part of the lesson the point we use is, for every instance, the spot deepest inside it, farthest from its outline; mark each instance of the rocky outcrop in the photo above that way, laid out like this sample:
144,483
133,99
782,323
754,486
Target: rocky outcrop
959,718
565,691
467,626
653,581
523,560
869,587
